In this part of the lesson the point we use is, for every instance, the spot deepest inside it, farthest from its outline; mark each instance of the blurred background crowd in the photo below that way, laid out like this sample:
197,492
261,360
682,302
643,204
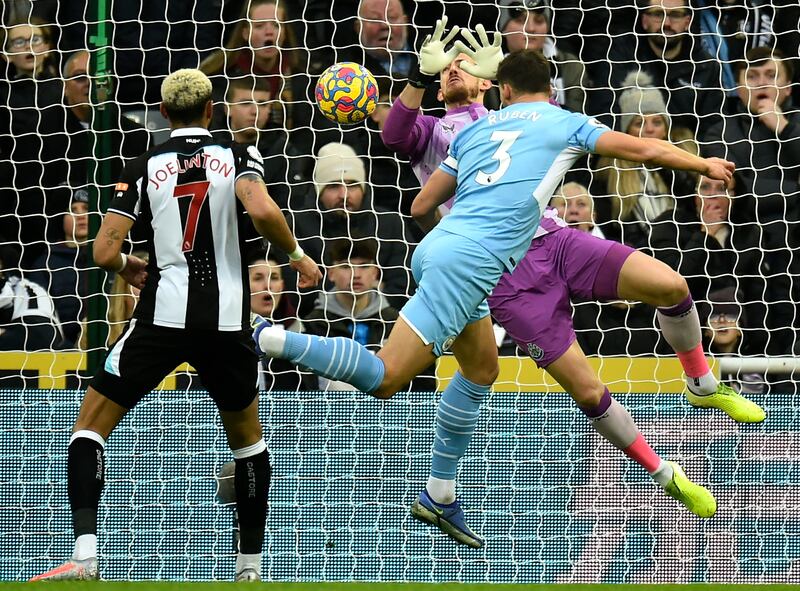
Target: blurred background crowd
718,77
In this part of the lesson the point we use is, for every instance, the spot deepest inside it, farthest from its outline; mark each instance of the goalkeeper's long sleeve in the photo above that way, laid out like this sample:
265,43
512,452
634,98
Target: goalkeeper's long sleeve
406,131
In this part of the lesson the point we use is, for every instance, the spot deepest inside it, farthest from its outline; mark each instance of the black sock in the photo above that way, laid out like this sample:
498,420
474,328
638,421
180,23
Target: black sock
85,479
251,481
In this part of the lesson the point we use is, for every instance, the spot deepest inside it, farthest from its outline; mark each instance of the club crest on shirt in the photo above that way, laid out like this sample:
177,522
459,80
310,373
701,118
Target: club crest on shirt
535,351
448,342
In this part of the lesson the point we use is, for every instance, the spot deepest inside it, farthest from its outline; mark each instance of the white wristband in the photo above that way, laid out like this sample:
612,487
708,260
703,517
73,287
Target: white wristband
297,254
124,263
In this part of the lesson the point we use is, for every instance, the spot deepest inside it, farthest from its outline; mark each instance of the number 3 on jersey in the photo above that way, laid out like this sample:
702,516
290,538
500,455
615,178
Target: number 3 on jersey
506,139
198,191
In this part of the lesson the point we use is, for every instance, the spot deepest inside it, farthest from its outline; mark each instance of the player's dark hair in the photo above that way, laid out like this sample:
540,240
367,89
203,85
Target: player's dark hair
188,115
255,254
248,84
340,251
526,71
758,56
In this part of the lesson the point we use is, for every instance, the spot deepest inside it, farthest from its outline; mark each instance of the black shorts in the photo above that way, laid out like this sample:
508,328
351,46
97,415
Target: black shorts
145,354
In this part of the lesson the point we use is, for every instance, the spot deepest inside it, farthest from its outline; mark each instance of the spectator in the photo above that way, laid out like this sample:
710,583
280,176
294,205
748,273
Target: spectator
713,253
576,206
269,300
527,24
637,194
762,136
28,50
663,46
382,28
150,40
725,337
730,28
247,109
706,248
28,319
62,270
127,139
263,45
354,307
378,39
341,207
30,162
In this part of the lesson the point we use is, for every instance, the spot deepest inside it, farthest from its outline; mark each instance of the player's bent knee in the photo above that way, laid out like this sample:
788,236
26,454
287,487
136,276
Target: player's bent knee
483,376
390,385
588,394
675,290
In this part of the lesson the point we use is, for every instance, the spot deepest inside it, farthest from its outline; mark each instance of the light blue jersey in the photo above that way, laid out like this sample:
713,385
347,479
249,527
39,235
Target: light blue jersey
507,165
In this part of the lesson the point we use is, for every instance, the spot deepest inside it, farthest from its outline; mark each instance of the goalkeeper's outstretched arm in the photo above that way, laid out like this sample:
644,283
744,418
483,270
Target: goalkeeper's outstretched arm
661,153
402,132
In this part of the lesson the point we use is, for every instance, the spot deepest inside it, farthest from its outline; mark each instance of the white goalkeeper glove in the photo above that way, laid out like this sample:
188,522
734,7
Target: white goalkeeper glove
432,56
487,56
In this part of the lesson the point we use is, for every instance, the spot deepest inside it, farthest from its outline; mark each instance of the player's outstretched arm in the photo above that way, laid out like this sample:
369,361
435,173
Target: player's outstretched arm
270,223
401,132
438,189
107,250
660,153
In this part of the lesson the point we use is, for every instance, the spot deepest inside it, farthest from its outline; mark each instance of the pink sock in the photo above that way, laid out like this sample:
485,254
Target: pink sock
641,453
694,362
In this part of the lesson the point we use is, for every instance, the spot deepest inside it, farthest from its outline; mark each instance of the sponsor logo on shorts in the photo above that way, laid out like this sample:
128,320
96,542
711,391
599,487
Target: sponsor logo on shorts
535,351
448,342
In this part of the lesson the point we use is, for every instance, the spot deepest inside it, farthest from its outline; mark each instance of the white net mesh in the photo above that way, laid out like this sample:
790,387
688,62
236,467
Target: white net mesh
555,503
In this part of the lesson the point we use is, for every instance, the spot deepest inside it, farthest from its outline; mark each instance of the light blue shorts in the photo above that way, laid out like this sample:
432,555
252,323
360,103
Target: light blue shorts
454,277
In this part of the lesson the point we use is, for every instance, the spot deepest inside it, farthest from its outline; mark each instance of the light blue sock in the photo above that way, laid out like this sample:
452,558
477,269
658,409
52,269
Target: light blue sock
456,418
335,358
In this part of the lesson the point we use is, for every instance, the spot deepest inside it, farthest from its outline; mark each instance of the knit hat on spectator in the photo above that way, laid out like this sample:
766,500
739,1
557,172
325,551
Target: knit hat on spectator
80,195
640,98
338,164
510,8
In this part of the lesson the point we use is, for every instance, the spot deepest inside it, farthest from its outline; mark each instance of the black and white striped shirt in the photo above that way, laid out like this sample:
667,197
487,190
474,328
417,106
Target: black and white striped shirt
21,299
182,194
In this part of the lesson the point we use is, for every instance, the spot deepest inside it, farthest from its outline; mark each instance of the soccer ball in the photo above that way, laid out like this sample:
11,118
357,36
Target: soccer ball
347,93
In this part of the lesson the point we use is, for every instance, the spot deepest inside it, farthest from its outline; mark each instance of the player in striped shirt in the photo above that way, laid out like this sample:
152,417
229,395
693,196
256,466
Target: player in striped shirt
197,199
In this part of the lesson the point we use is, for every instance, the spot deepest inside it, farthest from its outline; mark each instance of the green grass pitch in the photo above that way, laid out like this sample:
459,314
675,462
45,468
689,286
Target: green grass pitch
176,586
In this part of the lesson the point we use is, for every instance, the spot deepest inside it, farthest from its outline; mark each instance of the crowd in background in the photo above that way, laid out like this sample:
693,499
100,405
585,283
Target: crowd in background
716,77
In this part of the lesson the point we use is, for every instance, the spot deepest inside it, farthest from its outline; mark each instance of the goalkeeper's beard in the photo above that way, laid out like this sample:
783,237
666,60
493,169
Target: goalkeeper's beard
460,93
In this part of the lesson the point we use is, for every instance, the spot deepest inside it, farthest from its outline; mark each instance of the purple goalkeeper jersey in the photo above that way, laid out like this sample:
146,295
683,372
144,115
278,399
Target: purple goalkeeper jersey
425,139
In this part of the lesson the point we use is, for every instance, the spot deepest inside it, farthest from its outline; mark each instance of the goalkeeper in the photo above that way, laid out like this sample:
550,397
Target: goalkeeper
533,302
530,145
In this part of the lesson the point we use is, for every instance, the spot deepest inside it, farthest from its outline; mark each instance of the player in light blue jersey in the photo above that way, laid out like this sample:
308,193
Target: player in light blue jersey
503,169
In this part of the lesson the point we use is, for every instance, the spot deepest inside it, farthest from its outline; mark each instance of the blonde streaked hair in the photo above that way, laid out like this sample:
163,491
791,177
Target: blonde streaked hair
185,94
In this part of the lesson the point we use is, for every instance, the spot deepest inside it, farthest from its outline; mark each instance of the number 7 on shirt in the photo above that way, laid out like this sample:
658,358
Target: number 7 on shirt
198,191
